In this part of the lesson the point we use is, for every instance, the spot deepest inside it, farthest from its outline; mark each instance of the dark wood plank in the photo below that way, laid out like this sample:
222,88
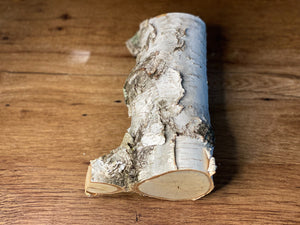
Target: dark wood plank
63,65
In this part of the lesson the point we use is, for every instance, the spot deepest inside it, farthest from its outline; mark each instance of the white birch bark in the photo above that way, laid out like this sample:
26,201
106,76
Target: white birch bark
168,150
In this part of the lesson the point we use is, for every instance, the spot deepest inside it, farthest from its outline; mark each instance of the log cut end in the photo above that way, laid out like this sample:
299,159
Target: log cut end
177,185
94,188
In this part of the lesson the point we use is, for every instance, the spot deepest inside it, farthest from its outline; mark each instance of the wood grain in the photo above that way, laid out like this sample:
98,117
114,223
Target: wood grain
62,68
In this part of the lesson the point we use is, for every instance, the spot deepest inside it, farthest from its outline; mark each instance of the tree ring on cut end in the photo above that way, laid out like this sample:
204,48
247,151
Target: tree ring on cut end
177,185
95,188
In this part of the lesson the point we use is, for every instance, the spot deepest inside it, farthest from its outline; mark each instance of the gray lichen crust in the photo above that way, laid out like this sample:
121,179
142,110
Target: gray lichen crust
167,99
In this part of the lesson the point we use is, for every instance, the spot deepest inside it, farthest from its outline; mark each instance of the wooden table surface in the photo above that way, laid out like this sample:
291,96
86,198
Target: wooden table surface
62,68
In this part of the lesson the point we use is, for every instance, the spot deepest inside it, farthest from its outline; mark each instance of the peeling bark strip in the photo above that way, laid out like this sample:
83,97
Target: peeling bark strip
167,151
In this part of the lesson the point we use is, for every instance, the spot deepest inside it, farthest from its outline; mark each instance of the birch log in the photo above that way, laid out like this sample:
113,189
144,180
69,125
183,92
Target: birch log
167,152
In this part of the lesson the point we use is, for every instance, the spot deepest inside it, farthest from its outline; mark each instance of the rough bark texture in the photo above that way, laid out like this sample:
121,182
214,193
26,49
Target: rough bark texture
167,98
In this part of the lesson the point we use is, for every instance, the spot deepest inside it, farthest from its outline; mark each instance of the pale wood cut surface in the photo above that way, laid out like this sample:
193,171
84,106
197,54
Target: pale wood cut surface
62,68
